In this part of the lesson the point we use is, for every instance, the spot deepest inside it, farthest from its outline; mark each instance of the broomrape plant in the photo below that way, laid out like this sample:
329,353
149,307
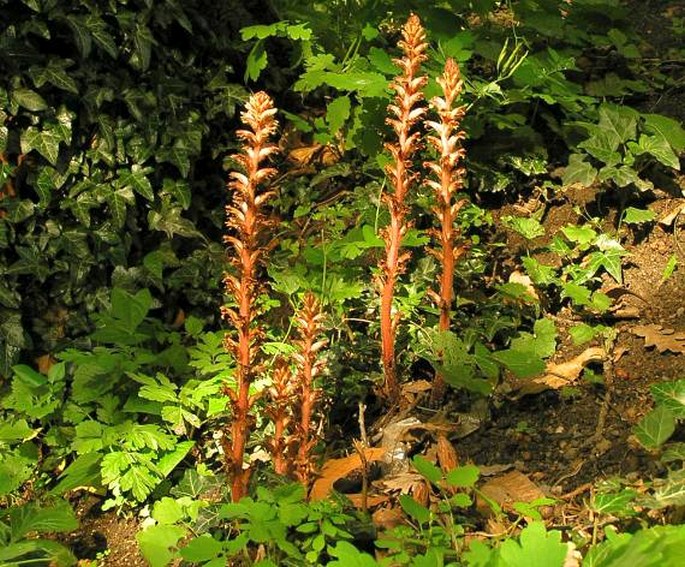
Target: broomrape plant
448,180
405,114
247,222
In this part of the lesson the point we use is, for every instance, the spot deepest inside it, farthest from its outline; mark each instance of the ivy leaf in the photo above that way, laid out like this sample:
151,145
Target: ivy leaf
81,36
97,28
136,178
29,99
131,310
656,427
622,176
46,143
672,396
602,145
617,503
666,128
54,73
658,147
579,171
522,363
620,121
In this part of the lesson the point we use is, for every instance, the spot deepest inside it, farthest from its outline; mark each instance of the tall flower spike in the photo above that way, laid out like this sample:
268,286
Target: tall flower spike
310,365
246,223
405,112
282,395
449,179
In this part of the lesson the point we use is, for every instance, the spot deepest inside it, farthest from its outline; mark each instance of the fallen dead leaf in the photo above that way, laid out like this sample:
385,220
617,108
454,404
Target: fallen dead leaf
335,469
562,374
45,363
416,387
661,338
403,482
388,518
508,489
447,455
669,218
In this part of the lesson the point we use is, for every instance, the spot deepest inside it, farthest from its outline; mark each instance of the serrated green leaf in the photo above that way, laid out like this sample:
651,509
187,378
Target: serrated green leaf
656,427
257,61
536,548
414,510
337,113
171,460
158,543
428,470
202,548
463,477
28,518
638,216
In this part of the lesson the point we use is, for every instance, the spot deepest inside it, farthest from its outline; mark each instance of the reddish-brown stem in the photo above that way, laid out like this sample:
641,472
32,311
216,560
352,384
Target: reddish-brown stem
247,223
405,112
448,180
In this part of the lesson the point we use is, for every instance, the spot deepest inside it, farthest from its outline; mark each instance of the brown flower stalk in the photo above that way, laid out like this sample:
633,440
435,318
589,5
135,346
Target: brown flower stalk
405,112
282,395
247,223
310,365
449,179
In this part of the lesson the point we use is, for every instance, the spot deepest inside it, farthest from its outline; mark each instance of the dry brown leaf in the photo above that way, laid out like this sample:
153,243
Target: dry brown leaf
372,500
663,339
416,387
335,469
388,518
669,218
508,489
45,363
447,455
559,375
404,482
